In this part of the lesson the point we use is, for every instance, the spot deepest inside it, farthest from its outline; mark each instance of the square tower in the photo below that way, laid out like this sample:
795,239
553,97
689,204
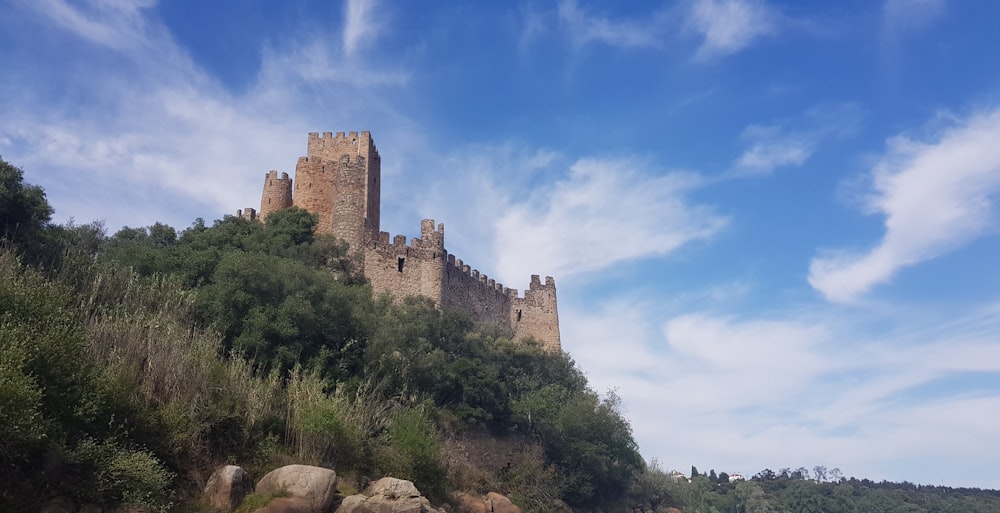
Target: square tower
339,180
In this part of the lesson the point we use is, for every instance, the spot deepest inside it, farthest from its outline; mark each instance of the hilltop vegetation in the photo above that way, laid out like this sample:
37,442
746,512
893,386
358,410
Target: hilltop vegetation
133,364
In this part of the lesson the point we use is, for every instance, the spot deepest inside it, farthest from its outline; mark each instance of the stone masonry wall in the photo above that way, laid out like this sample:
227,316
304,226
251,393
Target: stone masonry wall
330,148
536,313
407,270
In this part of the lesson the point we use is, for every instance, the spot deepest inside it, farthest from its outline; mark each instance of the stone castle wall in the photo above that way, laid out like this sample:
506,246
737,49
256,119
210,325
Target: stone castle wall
339,181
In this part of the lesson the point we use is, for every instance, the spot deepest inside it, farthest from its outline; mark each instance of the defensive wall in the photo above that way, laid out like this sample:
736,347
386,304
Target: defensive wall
340,179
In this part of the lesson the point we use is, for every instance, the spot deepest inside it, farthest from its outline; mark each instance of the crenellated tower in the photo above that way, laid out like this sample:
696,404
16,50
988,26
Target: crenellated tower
277,194
339,181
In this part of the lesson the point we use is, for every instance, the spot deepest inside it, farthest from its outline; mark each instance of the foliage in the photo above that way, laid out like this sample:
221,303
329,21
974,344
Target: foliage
58,422
24,214
790,491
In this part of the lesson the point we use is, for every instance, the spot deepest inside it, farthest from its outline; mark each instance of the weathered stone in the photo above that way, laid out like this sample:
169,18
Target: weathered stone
499,504
289,505
227,487
317,485
392,488
387,495
471,504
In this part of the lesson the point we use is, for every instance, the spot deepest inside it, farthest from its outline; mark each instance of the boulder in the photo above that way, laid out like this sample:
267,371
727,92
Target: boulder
317,485
392,488
387,495
499,504
471,504
227,487
289,505
672,510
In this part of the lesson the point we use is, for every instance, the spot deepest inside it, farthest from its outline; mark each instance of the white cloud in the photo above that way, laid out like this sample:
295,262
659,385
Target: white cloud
771,148
116,24
774,146
154,137
936,196
910,15
728,26
360,26
604,212
587,28
806,387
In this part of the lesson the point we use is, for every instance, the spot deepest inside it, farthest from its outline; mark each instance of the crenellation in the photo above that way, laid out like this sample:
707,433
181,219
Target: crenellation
339,181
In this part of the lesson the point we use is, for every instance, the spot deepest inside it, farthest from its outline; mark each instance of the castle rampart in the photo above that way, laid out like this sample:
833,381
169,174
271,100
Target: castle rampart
339,181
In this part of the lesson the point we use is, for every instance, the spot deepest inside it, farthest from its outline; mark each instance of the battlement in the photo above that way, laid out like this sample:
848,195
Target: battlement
330,146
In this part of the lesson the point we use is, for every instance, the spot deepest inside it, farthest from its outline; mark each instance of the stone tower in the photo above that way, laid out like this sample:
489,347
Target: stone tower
339,180
277,194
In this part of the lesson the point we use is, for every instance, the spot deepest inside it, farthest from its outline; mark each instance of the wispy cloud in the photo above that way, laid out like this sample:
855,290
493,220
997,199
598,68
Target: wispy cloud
900,16
116,24
360,25
936,196
806,387
770,147
587,28
605,211
728,26
773,146
157,134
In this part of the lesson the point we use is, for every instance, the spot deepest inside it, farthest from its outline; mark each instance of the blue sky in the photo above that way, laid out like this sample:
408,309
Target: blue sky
772,224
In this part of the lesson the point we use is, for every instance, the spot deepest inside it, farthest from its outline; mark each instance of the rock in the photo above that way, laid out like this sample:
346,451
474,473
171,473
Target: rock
672,510
387,495
227,487
289,505
471,504
317,485
392,488
499,504
90,508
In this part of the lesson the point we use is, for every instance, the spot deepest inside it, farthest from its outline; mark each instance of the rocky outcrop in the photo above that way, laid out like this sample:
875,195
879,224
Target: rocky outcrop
387,495
317,486
227,487
492,503
499,504
288,505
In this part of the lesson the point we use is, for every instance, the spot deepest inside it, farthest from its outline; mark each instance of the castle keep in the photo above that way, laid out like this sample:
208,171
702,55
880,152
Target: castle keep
339,181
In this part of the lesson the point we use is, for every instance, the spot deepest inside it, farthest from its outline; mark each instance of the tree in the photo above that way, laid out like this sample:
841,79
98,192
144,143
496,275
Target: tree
819,473
750,498
694,471
24,213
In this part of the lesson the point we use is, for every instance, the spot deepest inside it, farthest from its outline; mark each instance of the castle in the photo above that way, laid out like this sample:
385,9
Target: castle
339,181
